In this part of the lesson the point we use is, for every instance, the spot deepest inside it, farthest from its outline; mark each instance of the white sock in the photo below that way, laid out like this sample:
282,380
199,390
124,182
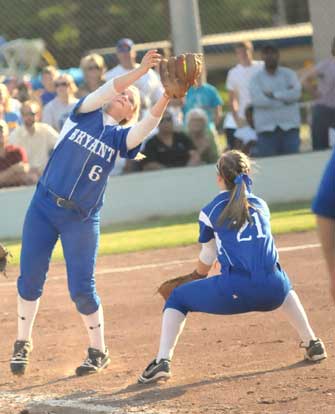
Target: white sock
95,328
26,310
296,315
172,326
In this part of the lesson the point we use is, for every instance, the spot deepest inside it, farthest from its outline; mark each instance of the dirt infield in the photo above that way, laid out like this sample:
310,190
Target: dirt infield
243,364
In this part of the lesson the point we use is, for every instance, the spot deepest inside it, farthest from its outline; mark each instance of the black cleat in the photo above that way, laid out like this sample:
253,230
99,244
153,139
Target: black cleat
94,363
20,358
315,351
156,371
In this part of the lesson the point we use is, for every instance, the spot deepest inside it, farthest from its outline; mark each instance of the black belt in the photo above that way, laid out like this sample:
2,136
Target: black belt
62,202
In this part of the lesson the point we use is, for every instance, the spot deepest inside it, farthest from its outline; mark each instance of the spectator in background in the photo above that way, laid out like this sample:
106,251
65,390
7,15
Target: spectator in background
38,139
245,138
275,92
14,167
237,84
320,81
57,111
175,108
24,91
11,83
93,67
149,85
48,77
7,114
202,138
205,96
169,149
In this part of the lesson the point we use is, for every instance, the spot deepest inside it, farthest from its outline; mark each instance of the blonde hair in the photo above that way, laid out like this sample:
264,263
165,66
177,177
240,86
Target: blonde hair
5,96
50,70
70,80
196,113
246,44
93,58
137,104
230,165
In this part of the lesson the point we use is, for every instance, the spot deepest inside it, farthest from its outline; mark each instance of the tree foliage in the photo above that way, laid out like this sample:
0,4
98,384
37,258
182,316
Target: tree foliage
71,27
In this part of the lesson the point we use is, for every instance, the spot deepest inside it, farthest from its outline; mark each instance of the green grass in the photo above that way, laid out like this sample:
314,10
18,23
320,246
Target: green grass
177,231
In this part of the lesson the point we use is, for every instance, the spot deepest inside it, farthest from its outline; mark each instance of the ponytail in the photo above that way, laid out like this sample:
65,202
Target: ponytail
233,167
236,211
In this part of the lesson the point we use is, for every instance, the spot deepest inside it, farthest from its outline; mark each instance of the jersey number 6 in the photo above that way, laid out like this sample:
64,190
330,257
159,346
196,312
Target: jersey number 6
94,174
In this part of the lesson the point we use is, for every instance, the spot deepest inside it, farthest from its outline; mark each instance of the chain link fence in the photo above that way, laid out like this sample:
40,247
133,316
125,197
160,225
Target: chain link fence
68,30
38,33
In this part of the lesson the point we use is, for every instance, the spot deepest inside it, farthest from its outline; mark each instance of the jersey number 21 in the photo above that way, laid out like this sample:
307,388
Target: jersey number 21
257,222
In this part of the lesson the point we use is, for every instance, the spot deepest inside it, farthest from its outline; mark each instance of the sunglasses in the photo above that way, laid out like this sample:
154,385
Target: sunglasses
57,84
95,67
28,113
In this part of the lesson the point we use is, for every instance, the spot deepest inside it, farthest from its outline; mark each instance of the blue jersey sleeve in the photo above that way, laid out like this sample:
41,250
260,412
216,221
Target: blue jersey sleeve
122,144
324,201
75,116
206,231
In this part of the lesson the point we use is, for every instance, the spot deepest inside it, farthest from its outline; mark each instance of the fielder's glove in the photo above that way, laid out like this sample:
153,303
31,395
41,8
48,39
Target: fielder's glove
166,288
4,253
179,73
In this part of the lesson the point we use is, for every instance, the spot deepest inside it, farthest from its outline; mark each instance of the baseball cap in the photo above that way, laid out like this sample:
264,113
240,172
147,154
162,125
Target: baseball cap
124,45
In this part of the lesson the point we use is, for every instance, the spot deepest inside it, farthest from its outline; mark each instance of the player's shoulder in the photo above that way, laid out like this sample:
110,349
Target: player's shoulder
220,200
259,204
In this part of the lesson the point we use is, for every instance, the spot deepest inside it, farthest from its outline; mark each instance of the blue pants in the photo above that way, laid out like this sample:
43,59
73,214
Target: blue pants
44,223
323,118
231,293
278,142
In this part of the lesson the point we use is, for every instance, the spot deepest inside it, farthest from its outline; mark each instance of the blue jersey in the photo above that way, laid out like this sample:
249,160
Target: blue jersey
250,248
324,201
83,158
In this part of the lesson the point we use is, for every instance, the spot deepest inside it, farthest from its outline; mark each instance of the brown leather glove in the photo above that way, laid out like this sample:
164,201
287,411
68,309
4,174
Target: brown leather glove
166,288
179,73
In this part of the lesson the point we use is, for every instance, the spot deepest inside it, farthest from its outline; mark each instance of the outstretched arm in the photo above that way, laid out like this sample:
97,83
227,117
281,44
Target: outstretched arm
103,95
143,128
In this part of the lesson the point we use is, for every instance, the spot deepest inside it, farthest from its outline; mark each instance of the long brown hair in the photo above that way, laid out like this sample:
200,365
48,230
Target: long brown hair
235,166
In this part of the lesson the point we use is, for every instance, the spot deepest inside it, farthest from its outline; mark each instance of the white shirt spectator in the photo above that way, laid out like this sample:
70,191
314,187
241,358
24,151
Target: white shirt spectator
238,80
246,134
56,112
38,145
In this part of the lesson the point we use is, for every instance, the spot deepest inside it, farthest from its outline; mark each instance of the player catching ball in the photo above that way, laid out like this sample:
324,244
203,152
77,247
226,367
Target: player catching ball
235,229
67,202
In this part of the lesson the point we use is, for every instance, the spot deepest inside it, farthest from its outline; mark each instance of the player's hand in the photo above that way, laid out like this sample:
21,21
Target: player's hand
150,60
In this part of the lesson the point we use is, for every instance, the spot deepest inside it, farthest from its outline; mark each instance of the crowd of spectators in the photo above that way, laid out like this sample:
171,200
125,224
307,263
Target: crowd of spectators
263,117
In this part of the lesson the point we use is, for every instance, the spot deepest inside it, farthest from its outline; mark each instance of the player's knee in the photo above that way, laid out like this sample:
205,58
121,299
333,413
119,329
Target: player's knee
175,301
28,290
86,304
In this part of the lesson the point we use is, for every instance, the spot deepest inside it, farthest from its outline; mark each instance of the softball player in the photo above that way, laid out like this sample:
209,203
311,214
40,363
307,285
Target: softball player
235,229
324,208
67,202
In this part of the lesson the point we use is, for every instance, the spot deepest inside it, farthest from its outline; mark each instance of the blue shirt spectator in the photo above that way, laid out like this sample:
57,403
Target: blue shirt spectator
206,97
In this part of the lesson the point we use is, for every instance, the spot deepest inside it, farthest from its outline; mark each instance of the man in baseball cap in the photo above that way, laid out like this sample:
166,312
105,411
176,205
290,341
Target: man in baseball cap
124,45
149,85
